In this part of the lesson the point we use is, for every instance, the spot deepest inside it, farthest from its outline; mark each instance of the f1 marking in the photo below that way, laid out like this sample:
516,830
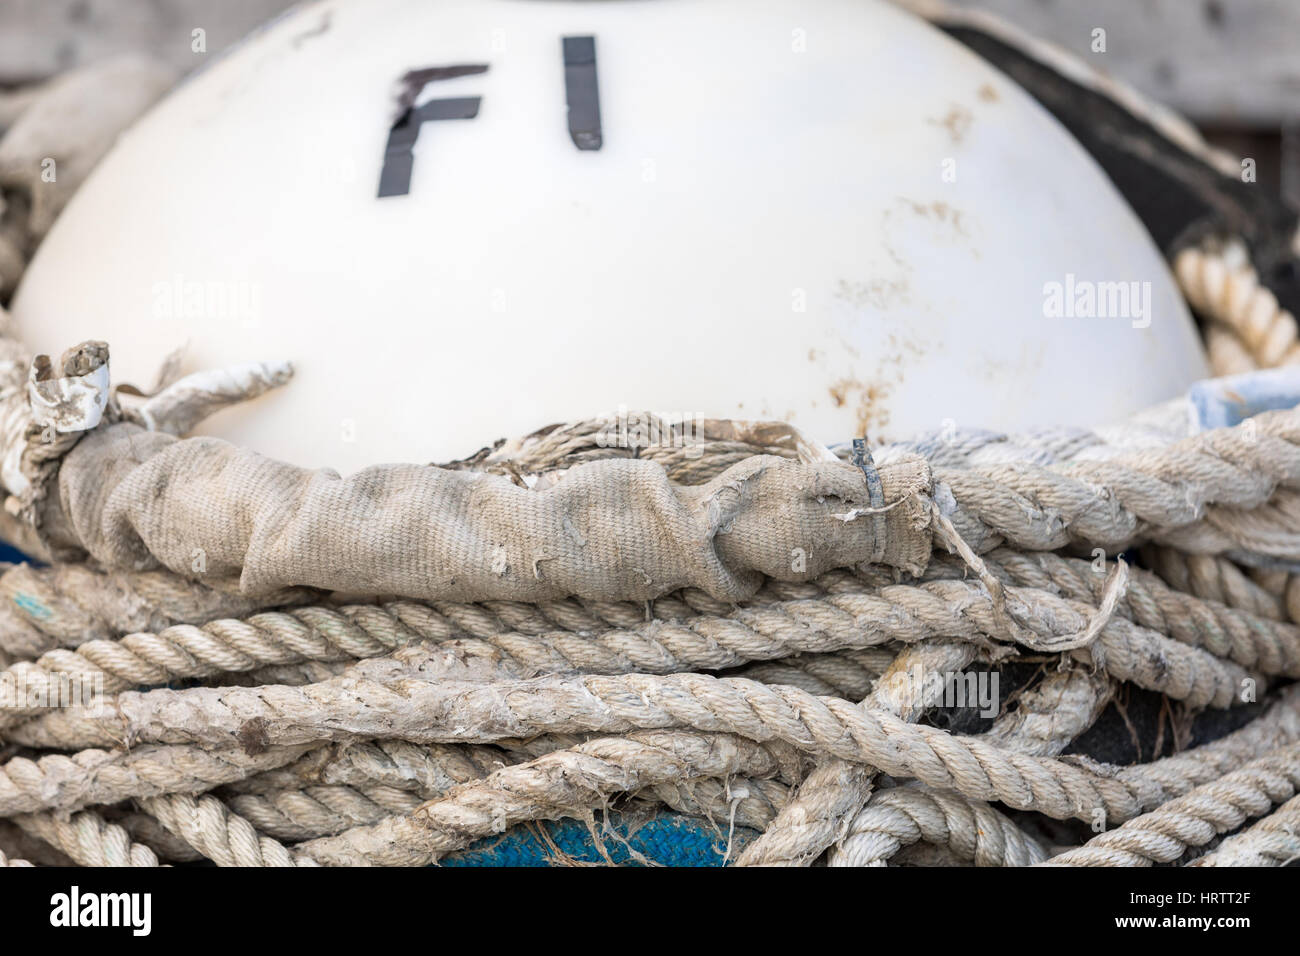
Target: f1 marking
581,91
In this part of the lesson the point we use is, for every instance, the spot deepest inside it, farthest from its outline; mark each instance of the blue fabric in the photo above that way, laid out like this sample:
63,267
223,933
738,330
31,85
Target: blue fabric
12,554
668,839
1227,401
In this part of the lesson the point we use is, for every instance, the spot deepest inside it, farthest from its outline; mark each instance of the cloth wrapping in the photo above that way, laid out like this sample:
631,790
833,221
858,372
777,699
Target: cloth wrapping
616,529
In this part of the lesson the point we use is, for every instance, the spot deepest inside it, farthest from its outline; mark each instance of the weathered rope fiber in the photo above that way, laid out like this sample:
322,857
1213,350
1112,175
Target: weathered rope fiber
901,816
6,861
1161,494
320,811
324,633
146,830
220,835
393,704
1170,775
419,768
17,843
477,712
392,778
321,632
58,782
1273,841
562,540
841,621
1249,639
733,802
67,605
1193,819
564,603
691,452
1222,285
325,810
88,839
847,674
548,787
1213,578
827,799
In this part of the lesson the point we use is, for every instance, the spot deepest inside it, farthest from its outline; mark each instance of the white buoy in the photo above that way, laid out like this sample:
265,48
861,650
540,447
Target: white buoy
823,211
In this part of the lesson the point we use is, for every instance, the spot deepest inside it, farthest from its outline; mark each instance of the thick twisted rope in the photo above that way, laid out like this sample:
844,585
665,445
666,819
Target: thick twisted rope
146,830
100,777
419,768
1213,578
320,811
731,802
1273,841
7,861
901,816
88,839
480,713
1050,715
818,817
848,674
17,843
1223,286
323,633
910,613
66,605
63,783
221,646
1195,818
1226,351
1252,640
333,788
548,787
219,834
1161,493
351,706
701,642
392,777
551,785
836,789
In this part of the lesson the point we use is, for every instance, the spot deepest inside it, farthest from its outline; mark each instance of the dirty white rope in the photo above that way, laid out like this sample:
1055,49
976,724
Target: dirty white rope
1273,841
901,816
553,637
1251,329
1192,820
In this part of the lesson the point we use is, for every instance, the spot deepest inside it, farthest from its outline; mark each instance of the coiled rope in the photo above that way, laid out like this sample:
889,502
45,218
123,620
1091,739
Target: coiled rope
293,727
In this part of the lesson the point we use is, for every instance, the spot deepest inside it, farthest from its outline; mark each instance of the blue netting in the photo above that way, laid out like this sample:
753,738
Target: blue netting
668,839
